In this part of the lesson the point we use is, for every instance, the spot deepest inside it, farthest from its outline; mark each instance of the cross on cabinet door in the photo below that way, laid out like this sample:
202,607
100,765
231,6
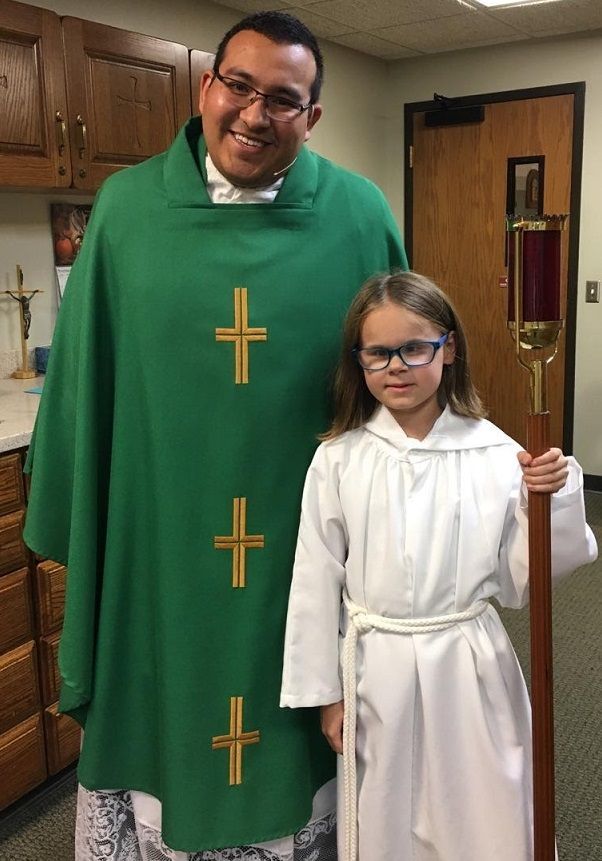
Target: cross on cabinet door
128,96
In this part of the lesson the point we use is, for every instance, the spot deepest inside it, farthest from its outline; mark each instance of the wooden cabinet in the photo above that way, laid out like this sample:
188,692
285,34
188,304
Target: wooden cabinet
34,149
63,739
51,580
19,693
13,552
11,484
49,668
80,100
22,759
128,95
34,739
15,610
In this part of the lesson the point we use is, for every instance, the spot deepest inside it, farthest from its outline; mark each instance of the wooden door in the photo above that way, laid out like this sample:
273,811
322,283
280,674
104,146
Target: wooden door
459,178
128,96
34,146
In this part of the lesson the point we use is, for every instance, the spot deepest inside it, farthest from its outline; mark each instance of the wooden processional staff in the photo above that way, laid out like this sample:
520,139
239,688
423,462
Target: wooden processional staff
23,297
534,277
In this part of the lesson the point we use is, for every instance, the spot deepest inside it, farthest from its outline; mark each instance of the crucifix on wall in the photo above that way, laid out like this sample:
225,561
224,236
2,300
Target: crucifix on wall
22,297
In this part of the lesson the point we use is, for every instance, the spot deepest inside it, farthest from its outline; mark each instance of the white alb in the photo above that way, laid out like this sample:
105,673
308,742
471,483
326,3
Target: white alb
412,530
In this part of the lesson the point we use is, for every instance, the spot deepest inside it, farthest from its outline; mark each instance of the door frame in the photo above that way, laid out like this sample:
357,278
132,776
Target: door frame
576,89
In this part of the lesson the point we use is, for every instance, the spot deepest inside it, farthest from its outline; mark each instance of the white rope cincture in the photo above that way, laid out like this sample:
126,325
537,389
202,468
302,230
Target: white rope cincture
359,622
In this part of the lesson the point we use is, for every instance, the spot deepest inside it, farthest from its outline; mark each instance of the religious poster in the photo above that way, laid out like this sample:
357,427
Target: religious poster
68,223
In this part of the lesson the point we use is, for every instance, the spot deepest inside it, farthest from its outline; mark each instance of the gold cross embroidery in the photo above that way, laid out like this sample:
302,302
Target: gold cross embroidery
235,740
241,334
239,542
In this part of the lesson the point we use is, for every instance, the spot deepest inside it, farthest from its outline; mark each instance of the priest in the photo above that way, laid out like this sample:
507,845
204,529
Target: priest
188,379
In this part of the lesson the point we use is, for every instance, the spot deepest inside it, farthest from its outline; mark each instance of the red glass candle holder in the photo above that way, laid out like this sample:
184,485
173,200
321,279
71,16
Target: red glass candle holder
540,276
534,276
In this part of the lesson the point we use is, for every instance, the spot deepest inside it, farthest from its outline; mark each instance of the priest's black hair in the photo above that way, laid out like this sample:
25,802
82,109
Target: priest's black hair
354,403
284,29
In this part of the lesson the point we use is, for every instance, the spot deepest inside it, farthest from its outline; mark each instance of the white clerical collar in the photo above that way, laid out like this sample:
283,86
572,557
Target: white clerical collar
220,190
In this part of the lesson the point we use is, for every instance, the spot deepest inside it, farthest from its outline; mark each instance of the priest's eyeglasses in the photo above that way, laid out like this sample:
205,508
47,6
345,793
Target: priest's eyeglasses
414,354
276,107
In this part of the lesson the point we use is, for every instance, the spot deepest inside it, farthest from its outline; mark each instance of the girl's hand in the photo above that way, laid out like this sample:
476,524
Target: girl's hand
331,719
546,473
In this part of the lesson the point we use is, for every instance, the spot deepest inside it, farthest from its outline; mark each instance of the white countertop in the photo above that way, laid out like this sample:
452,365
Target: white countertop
18,411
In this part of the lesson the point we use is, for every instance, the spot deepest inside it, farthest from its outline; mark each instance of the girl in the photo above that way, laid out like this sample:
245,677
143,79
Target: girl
413,518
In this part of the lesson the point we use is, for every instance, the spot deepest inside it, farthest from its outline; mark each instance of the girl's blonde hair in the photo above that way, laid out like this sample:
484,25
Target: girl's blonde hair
354,404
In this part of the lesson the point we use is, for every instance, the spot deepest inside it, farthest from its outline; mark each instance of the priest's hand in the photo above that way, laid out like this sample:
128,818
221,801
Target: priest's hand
331,719
546,473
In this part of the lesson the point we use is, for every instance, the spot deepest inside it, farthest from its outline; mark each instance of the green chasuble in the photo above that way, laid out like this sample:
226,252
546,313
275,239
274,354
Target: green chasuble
188,378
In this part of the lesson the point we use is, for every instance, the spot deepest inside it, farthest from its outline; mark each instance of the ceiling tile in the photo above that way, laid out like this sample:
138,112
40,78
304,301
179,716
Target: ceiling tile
362,15
428,26
319,25
370,44
563,16
249,6
468,29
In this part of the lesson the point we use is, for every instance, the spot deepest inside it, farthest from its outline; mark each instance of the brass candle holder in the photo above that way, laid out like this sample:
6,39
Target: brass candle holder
534,319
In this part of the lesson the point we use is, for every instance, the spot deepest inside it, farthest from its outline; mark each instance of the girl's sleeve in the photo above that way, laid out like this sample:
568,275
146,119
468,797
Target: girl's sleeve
311,651
573,542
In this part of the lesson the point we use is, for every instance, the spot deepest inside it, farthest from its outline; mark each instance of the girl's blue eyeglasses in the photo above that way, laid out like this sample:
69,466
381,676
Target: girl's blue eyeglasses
414,354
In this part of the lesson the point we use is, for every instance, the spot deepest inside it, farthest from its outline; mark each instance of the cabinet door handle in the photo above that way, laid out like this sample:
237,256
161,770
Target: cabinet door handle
84,135
60,129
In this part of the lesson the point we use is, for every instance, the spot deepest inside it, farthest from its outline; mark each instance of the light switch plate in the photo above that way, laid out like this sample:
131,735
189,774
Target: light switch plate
592,291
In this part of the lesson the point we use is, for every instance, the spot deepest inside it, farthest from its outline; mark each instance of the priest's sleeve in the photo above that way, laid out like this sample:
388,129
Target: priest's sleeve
70,459
311,654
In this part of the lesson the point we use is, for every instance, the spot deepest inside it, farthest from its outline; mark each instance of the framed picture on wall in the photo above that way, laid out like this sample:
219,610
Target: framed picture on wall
68,224
532,189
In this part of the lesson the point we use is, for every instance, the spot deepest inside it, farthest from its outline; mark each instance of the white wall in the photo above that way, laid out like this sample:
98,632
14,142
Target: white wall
351,132
25,239
520,66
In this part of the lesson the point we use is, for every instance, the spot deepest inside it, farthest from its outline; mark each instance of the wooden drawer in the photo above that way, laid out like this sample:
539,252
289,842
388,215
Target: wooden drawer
49,668
22,759
51,581
63,737
15,610
13,552
12,495
19,695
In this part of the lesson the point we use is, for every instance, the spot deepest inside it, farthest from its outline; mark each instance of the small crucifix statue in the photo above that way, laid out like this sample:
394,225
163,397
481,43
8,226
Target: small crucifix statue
24,372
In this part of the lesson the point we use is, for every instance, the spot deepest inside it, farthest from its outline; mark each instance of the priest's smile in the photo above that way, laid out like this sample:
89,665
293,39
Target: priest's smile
249,143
